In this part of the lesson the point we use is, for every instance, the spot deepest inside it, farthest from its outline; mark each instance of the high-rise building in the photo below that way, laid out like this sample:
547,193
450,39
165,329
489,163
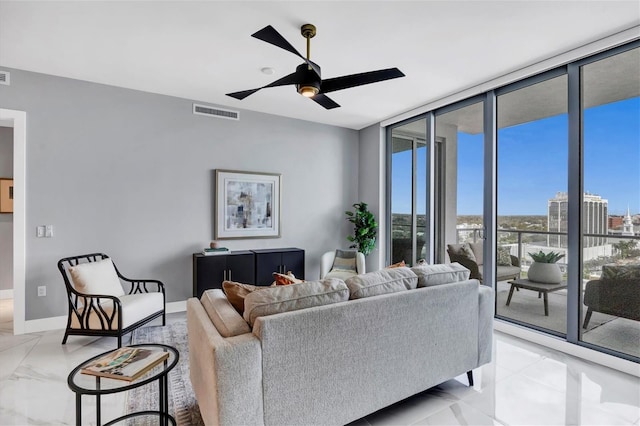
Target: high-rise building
594,219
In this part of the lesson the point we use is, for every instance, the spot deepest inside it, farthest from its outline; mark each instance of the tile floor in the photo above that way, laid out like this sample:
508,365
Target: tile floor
525,384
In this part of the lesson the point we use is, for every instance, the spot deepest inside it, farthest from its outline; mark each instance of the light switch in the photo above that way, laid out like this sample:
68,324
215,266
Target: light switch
40,230
48,233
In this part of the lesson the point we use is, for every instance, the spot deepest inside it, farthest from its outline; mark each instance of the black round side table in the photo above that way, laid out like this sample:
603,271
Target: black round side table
86,384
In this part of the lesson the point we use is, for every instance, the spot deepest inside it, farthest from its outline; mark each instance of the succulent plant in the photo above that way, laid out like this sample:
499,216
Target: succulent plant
542,257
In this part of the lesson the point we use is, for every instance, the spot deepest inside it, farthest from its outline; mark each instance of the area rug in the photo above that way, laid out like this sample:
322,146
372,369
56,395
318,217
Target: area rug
182,402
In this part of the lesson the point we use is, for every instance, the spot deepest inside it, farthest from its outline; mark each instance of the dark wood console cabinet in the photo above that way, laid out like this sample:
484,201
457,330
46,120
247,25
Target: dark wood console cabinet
282,260
211,271
247,266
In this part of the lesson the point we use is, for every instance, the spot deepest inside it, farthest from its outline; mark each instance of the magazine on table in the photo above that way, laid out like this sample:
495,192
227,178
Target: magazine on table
126,363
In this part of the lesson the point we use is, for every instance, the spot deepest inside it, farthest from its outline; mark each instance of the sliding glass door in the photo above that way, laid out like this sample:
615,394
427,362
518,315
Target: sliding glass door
610,282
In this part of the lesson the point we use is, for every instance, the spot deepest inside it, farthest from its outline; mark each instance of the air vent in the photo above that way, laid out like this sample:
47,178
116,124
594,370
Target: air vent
5,78
215,112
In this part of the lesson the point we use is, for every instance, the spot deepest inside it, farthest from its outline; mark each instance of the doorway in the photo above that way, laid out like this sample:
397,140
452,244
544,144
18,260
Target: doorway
17,120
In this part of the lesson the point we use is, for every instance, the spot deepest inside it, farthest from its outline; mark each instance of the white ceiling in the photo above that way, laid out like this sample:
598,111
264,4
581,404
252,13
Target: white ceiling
202,50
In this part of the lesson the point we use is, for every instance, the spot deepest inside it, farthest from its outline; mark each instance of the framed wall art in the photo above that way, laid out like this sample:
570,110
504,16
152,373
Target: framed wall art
247,205
6,195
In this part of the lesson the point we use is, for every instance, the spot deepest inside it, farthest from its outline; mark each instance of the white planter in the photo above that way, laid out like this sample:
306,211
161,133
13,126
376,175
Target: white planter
548,273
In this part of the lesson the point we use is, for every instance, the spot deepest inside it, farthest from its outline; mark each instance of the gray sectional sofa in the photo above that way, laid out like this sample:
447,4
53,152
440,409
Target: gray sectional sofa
340,359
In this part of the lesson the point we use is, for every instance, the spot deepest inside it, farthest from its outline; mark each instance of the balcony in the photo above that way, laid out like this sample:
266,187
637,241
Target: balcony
615,332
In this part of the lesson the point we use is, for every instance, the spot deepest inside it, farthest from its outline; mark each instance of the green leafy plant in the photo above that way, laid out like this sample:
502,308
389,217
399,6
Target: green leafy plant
542,257
364,228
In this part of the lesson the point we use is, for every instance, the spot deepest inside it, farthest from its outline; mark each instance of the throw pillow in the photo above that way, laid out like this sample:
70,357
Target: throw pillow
289,278
275,300
222,314
397,265
430,275
620,272
381,282
237,292
463,250
345,260
503,256
98,277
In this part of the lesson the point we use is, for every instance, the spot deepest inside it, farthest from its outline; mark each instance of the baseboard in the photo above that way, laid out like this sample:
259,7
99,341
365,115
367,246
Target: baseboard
57,323
561,345
6,294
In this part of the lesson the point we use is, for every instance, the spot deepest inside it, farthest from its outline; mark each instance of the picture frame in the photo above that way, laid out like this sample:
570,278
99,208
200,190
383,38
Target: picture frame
247,204
6,195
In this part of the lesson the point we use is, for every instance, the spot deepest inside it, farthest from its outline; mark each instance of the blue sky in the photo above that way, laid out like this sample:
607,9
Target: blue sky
532,164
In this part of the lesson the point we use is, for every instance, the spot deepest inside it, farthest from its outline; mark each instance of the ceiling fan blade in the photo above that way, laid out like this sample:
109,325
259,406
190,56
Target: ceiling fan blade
346,81
271,36
287,79
325,101
243,94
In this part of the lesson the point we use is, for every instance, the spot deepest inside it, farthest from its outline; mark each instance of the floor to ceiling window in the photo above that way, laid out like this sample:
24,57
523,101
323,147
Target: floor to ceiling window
610,109
460,134
408,190
532,157
558,168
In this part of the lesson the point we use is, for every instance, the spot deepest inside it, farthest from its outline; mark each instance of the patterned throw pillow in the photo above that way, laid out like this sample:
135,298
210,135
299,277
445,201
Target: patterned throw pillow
289,278
466,251
503,256
620,272
345,261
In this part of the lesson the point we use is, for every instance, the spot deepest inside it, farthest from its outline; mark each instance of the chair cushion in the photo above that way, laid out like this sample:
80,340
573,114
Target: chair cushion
98,277
135,307
340,275
430,275
223,315
381,282
236,293
345,261
279,299
477,249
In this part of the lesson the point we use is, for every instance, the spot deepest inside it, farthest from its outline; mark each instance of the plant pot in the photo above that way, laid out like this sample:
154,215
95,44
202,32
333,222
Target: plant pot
548,273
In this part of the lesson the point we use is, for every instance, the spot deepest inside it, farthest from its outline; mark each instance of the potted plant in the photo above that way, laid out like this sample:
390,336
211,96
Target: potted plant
544,268
364,228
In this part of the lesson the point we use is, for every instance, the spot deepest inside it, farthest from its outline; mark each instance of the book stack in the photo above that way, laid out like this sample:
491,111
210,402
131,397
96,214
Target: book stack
215,251
126,363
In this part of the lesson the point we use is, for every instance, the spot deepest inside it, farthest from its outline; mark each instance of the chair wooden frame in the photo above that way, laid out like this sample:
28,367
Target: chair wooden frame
84,307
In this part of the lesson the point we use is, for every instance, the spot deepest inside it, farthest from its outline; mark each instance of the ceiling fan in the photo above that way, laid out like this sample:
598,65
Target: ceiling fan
307,77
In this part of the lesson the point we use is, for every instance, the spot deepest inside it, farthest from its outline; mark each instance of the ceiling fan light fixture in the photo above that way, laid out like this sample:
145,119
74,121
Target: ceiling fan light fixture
308,91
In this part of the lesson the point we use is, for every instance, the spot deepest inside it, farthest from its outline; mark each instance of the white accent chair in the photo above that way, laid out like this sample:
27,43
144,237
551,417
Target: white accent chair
98,303
327,259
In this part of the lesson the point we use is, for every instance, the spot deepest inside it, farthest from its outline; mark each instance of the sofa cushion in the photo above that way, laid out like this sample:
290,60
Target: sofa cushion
236,293
430,275
345,261
620,272
381,282
98,277
275,300
222,314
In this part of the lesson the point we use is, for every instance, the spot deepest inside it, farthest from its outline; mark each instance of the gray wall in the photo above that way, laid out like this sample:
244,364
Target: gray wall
6,220
130,174
372,187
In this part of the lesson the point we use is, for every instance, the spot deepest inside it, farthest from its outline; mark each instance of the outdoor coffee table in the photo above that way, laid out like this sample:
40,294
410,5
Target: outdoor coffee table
84,384
535,286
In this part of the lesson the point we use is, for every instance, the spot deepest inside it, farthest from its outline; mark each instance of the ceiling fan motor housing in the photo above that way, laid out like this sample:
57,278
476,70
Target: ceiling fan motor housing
308,78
